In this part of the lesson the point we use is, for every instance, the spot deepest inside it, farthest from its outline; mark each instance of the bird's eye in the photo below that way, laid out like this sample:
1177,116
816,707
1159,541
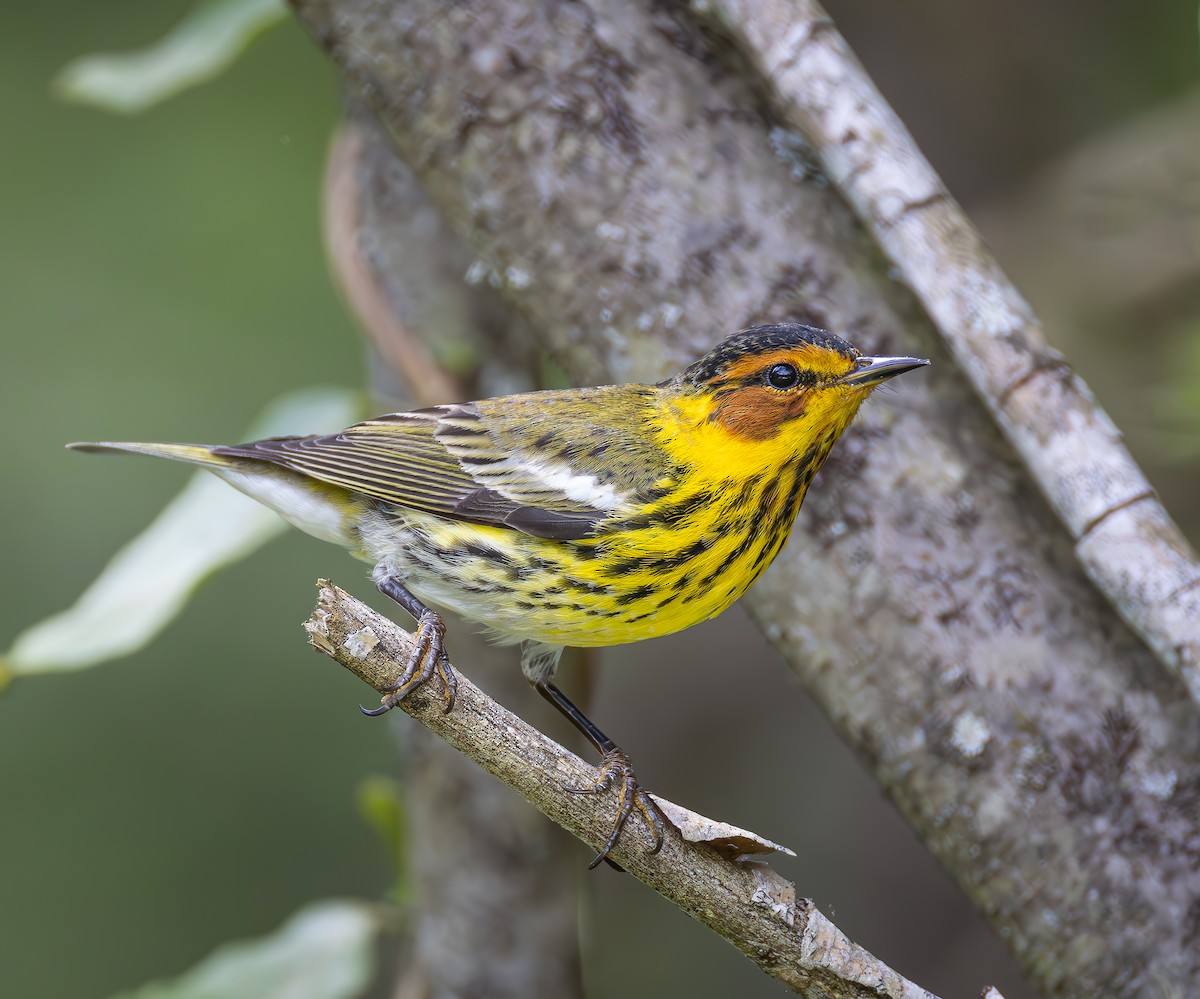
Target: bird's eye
782,376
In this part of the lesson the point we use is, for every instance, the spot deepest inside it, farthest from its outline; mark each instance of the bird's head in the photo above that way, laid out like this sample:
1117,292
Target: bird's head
781,388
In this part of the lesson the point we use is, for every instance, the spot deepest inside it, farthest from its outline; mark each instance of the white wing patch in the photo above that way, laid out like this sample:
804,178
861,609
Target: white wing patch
576,487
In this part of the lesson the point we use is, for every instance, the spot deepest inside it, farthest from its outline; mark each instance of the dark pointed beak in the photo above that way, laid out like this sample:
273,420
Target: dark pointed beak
873,370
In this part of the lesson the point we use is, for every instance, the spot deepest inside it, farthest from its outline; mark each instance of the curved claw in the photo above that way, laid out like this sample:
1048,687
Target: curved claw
617,765
428,656
449,682
383,709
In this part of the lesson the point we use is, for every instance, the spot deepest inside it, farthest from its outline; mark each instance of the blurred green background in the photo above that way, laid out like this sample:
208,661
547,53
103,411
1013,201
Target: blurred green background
162,277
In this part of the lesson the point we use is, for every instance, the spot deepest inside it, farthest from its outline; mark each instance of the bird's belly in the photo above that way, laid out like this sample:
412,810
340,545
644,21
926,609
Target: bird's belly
526,588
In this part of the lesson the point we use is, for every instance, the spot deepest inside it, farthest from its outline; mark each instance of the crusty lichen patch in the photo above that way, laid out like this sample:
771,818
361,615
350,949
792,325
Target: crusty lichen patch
361,643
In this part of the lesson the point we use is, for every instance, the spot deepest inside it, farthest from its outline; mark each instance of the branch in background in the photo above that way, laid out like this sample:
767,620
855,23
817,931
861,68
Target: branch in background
747,903
359,277
425,301
1126,541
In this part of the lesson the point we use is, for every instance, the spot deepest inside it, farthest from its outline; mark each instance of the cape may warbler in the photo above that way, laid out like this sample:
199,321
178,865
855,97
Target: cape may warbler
591,516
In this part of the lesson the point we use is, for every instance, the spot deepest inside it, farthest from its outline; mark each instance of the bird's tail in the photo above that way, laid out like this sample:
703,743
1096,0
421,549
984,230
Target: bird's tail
193,454
314,507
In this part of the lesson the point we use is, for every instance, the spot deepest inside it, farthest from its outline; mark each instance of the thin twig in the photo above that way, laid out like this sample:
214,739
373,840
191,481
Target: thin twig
361,284
1124,538
747,903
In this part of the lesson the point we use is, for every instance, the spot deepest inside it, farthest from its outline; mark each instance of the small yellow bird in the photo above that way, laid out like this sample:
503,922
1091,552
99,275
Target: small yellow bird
583,517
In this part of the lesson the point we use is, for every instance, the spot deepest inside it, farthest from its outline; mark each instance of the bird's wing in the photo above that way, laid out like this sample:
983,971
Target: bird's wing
450,461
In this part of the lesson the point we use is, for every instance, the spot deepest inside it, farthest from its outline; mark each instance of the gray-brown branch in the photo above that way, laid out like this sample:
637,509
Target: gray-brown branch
1124,538
629,189
746,902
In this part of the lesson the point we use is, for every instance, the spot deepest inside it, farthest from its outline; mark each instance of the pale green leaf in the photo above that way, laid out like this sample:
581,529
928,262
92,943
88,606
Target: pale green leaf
381,804
210,36
148,582
325,951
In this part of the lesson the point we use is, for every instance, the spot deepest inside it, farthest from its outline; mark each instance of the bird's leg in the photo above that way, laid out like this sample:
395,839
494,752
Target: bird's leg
428,657
615,768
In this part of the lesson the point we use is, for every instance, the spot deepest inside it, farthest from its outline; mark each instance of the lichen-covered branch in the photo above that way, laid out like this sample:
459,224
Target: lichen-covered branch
628,187
746,902
1126,541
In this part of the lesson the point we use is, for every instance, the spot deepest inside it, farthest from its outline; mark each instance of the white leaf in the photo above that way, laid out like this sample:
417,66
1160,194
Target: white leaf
210,36
325,951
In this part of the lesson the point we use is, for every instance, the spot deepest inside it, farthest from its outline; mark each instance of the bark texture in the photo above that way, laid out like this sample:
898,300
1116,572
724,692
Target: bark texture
627,181
1124,539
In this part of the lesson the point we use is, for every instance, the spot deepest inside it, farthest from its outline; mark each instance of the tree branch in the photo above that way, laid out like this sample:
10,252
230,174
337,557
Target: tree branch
1125,540
747,903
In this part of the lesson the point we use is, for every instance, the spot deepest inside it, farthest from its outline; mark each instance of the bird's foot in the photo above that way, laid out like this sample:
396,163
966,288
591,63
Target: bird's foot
617,769
428,657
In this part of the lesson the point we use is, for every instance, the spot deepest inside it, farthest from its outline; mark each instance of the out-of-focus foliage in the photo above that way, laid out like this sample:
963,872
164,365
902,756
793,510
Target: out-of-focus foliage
325,951
201,45
381,806
163,277
1178,413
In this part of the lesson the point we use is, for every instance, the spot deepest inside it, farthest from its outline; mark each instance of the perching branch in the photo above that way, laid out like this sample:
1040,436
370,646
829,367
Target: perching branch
1125,540
746,902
